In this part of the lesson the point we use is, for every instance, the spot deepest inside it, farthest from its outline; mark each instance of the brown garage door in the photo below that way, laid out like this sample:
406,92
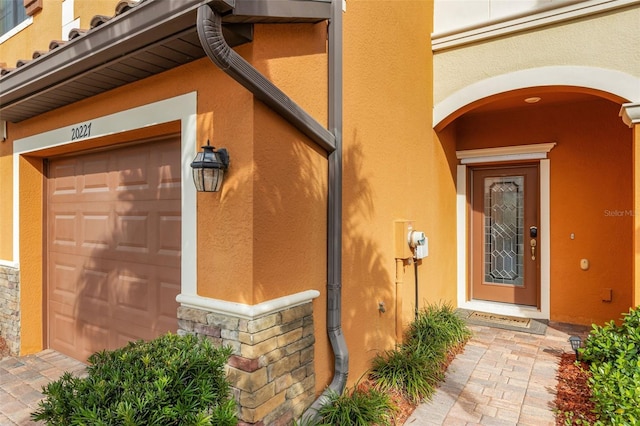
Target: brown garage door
113,246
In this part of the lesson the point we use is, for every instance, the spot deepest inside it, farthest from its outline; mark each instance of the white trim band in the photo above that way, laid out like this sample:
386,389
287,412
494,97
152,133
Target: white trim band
523,22
9,264
243,311
617,83
182,108
15,30
507,153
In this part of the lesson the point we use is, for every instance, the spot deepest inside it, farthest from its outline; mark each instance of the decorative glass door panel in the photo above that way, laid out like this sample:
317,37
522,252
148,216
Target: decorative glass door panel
504,230
504,260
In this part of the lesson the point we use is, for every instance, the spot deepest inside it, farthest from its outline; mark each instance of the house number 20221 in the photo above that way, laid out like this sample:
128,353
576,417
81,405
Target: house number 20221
80,132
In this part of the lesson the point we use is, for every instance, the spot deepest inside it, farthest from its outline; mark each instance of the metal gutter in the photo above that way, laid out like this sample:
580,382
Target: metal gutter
334,249
209,24
299,9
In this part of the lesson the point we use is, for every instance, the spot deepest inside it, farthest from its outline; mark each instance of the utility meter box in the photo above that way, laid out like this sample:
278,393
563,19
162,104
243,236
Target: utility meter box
410,243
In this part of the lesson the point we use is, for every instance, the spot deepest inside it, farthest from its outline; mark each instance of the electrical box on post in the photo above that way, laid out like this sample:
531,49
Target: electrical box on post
402,230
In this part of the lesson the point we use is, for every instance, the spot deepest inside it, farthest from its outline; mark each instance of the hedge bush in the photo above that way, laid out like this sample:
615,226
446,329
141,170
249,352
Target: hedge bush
360,406
417,366
172,380
613,353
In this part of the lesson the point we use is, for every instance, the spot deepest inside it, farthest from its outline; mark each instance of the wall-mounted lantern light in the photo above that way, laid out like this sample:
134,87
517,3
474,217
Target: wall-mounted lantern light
208,168
576,342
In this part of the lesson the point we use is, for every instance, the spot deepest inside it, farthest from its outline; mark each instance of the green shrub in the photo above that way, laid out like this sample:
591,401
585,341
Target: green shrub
416,366
360,407
172,380
436,330
415,374
413,368
613,353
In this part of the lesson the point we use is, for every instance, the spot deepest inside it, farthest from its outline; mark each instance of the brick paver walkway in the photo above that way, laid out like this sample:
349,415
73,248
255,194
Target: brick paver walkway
502,378
21,380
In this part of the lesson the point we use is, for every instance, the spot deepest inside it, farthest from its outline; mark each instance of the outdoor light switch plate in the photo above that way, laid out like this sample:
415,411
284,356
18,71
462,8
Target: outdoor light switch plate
607,294
584,264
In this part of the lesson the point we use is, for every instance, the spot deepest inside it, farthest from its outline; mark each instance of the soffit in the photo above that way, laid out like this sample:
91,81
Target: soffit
546,97
144,38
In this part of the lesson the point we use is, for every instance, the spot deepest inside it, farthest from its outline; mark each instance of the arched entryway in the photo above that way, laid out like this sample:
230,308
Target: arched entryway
576,243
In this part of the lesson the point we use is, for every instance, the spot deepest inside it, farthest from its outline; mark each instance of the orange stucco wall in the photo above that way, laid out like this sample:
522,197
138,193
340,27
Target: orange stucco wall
6,206
264,235
591,198
394,169
281,220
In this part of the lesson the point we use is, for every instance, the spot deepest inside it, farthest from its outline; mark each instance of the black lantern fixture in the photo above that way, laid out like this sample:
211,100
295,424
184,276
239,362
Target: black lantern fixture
208,168
576,342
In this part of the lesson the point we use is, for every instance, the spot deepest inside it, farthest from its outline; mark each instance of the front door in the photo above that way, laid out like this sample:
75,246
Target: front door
504,234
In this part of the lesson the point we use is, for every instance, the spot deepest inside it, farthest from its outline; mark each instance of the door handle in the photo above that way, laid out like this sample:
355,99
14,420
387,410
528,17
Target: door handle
533,243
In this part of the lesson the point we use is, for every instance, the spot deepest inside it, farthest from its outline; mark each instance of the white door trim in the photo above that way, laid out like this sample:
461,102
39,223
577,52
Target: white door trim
507,154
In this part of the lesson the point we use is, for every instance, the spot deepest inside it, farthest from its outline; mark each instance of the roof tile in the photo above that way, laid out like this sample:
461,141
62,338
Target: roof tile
121,7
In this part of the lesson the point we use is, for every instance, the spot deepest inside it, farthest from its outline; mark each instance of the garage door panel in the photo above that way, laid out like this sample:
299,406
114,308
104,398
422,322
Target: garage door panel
132,232
95,176
135,293
169,171
65,277
92,312
169,232
95,231
167,305
132,170
65,229
62,331
114,233
65,182
94,338
95,284
123,332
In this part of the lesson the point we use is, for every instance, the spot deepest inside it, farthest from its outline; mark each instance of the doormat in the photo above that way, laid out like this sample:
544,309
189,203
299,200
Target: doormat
501,319
526,325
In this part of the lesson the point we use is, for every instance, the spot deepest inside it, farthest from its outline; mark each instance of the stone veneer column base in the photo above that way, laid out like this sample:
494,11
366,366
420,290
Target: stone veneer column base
271,369
10,308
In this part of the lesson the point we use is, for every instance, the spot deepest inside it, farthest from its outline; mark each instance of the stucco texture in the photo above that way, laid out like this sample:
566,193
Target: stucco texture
606,41
394,169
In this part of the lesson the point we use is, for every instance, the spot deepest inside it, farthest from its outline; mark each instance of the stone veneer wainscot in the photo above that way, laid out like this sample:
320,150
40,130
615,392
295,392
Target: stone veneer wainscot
271,369
10,308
